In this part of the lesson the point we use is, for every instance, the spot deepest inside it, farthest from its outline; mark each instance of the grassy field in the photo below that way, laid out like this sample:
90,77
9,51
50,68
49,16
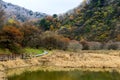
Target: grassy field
65,59
33,51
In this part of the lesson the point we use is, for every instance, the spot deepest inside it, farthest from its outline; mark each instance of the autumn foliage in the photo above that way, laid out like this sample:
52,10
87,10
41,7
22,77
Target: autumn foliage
93,25
10,37
30,35
51,40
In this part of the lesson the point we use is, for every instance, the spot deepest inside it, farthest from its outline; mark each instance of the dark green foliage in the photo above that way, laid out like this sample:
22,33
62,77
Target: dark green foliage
44,24
55,16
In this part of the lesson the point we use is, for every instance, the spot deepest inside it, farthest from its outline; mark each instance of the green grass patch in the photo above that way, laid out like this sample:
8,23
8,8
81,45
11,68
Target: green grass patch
5,51
33,51
24,50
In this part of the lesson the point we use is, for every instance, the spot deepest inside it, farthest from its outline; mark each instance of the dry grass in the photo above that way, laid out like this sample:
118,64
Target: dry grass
87,59
2,76
65,59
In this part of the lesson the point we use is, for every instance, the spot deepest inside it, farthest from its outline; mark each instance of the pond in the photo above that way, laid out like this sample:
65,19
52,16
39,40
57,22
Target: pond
67,75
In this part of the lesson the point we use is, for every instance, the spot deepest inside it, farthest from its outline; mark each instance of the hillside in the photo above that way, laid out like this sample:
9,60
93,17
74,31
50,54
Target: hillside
94,24
20,13
93,20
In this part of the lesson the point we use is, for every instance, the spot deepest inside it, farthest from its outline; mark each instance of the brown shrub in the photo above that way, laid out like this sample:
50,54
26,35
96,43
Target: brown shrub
94,45
74,46
31,35
84,44
10,38
51,40
112,45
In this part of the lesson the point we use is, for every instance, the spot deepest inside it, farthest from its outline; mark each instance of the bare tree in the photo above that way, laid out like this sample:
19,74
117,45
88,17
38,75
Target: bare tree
2,17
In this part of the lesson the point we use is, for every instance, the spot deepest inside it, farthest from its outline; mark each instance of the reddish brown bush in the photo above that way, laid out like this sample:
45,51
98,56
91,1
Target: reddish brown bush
12,33
11,37
51,40
31,35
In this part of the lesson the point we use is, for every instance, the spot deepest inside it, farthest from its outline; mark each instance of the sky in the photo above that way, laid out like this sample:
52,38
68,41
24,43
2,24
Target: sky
47,6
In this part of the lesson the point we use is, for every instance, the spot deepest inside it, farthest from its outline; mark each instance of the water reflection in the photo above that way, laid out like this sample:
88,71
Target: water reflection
67,75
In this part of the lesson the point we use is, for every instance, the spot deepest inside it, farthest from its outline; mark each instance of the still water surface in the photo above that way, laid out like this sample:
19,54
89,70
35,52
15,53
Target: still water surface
67,75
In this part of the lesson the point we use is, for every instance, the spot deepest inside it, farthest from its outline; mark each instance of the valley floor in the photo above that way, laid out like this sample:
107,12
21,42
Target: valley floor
64,59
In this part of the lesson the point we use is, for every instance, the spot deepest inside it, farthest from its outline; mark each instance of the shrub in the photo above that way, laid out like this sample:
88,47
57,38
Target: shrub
112,45
118,45
85,45
74,46
10,38
51,40
31,35
12,47
95,45
12,34
15,48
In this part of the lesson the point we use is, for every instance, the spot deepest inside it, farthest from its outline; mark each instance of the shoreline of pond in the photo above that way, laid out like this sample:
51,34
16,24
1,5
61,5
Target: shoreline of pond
19,71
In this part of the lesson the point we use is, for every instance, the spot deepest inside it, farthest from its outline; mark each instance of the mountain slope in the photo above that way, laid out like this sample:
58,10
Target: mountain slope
98,20
20,13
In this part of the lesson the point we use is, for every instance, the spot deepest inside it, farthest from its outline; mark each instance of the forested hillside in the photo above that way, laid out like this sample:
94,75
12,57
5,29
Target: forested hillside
88,26
96,20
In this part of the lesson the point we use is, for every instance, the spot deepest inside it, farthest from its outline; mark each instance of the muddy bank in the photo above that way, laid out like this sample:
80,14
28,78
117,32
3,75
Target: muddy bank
64,59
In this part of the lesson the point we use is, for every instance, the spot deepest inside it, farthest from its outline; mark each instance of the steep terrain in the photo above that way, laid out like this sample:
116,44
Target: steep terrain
93,20
19,13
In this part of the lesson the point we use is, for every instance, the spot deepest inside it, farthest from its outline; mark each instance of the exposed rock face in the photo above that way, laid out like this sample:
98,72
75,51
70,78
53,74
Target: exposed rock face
20,13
